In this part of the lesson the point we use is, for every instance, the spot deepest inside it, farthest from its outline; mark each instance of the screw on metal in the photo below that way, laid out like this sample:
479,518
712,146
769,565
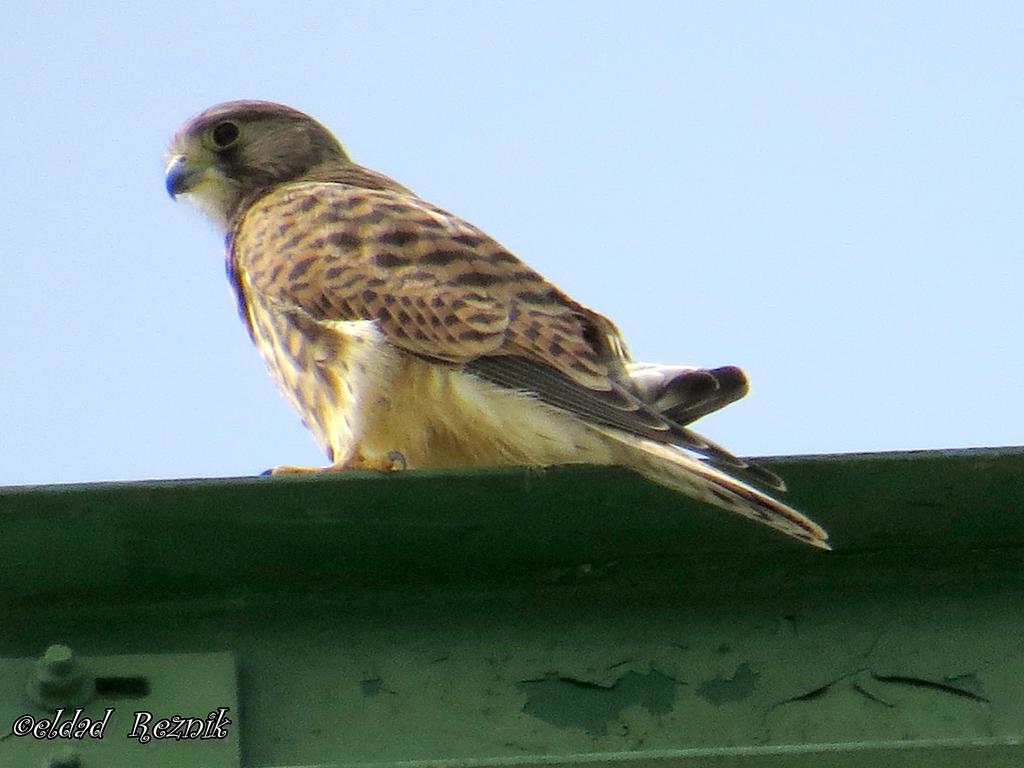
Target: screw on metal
64,758
58,680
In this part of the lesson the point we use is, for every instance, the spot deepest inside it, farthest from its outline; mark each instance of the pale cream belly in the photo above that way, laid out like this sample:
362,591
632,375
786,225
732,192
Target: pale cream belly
439,416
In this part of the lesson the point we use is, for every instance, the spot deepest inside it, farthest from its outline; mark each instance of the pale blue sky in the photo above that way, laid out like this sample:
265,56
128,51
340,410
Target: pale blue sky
827,194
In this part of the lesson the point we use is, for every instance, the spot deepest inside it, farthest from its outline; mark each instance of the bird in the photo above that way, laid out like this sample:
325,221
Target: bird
406,337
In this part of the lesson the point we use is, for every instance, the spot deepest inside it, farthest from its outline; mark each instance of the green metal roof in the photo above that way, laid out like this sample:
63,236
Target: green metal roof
539,616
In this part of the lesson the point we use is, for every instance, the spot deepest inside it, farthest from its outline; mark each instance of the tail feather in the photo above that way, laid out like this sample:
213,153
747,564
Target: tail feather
686,474
681,394
684,393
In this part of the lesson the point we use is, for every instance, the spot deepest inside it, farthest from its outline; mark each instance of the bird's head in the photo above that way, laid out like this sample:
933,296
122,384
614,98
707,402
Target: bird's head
229,154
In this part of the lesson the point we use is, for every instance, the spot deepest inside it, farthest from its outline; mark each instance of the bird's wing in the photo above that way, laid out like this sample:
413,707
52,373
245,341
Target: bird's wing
442,289
437,286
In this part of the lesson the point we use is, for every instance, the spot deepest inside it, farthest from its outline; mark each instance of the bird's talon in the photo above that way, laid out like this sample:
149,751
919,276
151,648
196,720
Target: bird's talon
289,469
392,461
397,459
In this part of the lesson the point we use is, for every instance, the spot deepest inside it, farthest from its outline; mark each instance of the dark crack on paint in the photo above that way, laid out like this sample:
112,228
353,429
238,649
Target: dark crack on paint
918,682
568,702
963,691
726,690
967,682
811,695
872,697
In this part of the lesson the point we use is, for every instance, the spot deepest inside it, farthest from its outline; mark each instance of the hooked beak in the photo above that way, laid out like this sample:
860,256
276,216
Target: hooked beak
179,177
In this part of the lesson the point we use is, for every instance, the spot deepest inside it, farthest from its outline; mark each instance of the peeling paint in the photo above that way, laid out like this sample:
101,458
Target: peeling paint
725,690
371,687
569,702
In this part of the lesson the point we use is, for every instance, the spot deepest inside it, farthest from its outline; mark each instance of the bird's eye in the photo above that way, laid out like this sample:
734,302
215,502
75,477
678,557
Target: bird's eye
224,134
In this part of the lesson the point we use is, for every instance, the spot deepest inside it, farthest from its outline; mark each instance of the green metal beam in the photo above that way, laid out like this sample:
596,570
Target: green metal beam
531,615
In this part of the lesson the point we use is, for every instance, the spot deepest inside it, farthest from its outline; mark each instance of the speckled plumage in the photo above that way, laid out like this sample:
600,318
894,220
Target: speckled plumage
393,325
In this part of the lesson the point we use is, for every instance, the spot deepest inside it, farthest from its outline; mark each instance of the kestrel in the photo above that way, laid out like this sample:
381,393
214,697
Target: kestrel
406,337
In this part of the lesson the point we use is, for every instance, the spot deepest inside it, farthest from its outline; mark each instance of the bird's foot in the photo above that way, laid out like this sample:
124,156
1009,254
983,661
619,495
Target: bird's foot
392,461
290,469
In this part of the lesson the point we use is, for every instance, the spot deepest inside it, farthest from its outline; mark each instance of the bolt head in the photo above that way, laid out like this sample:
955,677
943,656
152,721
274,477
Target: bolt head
58,680
58,660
